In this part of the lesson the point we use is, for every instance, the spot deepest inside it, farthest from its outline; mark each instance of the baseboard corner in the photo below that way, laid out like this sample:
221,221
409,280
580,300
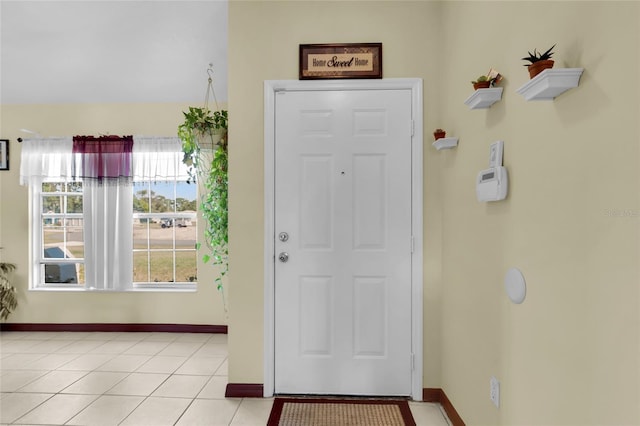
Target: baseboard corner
244,390
438,395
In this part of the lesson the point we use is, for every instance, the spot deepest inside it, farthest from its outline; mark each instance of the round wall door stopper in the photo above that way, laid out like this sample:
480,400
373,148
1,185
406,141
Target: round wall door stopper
515,285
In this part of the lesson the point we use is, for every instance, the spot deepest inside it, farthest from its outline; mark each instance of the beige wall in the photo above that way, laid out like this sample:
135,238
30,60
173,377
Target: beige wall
201,307
572,347
570,353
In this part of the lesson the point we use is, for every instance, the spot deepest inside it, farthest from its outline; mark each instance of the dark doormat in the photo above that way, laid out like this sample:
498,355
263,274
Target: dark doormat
340,412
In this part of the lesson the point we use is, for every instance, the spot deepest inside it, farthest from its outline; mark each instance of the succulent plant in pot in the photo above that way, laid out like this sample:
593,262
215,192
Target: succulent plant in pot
539,62
482,82
439,134
487,80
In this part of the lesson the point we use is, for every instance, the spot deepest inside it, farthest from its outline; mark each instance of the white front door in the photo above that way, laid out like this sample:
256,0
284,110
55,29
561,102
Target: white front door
343,242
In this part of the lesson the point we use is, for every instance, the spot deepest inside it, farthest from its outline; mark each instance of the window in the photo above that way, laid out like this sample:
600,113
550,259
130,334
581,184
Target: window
164,233
133,234
62,241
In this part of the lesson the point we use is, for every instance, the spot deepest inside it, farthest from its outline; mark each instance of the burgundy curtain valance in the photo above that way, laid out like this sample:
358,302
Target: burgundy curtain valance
103,159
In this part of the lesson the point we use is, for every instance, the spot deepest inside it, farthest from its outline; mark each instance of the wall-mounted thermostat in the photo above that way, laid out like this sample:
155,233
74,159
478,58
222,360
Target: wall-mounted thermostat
492,184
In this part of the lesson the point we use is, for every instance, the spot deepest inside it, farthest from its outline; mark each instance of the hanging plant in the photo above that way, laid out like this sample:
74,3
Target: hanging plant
202,129
8,299
204,145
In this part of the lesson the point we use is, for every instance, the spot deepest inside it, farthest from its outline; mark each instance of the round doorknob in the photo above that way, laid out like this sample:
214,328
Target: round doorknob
283,257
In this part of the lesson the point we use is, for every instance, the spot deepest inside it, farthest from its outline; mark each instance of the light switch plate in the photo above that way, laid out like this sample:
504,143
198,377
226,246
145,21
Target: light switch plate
495,154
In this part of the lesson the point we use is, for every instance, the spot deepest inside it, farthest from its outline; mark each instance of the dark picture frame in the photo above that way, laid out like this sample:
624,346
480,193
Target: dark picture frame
4,154
340,60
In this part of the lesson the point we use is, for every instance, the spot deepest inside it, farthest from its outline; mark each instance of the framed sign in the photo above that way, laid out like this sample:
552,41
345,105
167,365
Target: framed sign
347,60
4,154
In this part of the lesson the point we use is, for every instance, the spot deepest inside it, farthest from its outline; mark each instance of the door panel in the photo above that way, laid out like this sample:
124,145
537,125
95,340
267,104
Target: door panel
314,316
369,202
370,312
315,202
343,195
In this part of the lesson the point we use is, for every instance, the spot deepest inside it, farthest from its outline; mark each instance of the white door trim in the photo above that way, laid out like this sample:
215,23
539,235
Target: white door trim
270,89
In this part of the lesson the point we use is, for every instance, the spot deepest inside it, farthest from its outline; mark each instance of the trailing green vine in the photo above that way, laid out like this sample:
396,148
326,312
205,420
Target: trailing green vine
215,212
204,144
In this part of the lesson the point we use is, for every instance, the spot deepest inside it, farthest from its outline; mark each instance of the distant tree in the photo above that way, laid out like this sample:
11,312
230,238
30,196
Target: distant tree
159,203
51,204
141,201
147,201
182,204
74,204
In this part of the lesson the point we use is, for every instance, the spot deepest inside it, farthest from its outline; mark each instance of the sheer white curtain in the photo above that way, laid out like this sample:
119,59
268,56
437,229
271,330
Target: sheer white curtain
108,235
49,158
104,164
107,208
158,158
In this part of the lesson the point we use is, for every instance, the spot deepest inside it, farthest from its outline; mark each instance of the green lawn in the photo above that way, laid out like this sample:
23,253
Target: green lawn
158,266
161,265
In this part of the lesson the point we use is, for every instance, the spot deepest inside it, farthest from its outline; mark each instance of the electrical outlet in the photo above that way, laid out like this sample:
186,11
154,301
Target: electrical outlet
494,391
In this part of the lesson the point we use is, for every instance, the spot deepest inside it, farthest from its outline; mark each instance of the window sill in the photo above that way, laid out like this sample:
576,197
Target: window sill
192,288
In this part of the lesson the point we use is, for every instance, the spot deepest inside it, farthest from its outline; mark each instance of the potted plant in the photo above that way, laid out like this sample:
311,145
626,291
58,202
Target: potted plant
204,145
487,80
482,82
8,299
539,62
201,129
439,134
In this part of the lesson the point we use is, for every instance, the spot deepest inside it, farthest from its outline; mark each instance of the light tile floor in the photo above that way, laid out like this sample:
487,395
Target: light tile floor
129,379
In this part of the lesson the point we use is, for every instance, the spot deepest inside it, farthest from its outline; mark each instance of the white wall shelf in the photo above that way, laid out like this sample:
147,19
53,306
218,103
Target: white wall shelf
445,143
484,98
550,83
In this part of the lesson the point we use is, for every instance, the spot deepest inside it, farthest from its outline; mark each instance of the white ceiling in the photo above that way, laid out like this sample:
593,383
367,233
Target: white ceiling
111,51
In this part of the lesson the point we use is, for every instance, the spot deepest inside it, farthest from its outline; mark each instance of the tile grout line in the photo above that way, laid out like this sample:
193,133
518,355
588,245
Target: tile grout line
235,413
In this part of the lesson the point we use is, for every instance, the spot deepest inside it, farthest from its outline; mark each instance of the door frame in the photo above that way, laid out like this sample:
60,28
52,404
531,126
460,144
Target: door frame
271,87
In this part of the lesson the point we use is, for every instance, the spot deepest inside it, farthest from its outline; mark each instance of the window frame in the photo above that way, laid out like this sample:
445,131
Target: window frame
36,242
192,216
